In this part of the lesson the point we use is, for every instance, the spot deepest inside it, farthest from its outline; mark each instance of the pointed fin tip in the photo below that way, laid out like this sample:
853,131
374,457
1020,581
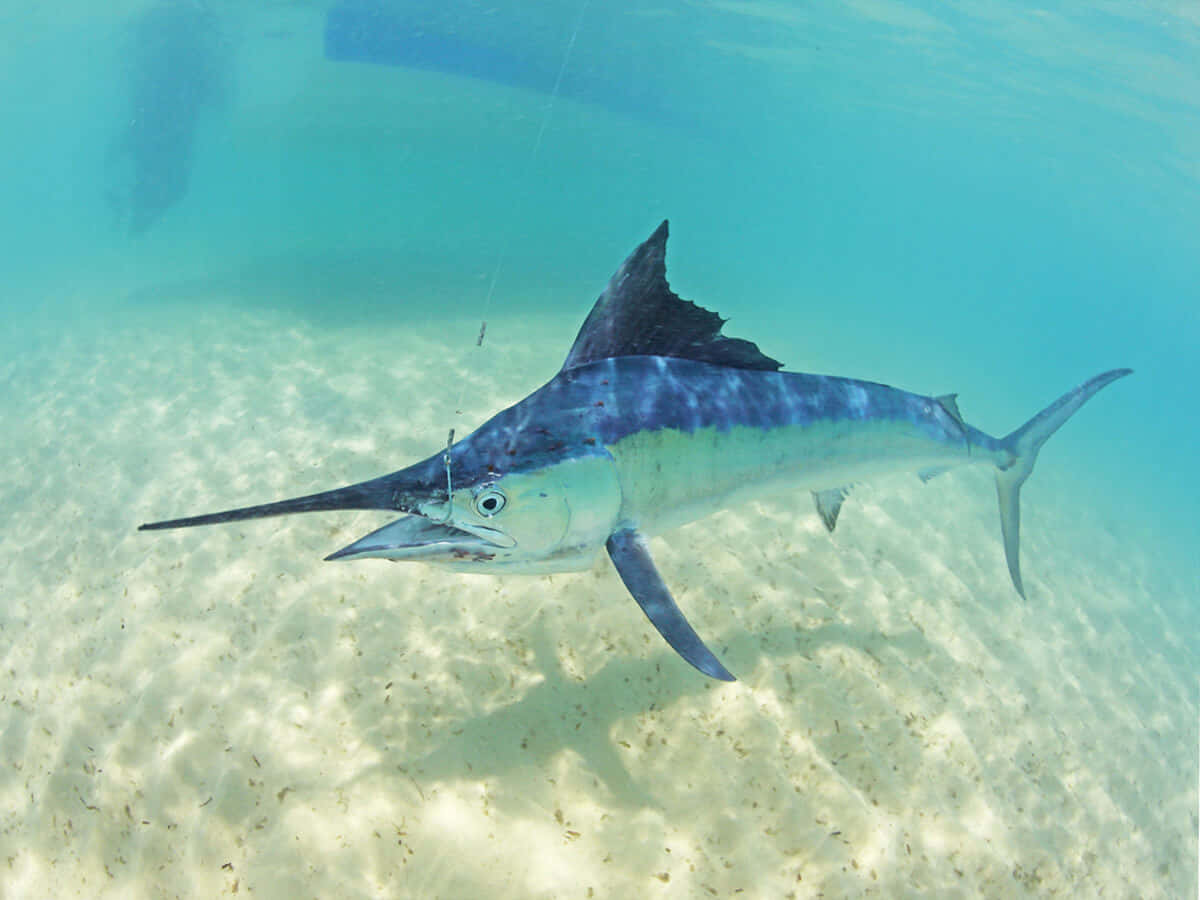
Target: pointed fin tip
639,315
829,505
1008,492
631,557
1025,443
949,402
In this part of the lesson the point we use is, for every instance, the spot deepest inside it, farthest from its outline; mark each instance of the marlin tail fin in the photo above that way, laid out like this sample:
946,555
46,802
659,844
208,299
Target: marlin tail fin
1024,444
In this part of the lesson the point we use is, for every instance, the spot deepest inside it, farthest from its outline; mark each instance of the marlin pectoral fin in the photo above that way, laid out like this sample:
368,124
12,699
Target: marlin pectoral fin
631,556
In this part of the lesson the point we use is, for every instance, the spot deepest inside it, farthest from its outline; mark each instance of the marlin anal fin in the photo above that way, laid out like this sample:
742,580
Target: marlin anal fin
631,556
829,504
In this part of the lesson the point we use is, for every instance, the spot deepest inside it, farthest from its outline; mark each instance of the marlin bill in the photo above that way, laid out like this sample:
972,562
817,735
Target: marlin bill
656,419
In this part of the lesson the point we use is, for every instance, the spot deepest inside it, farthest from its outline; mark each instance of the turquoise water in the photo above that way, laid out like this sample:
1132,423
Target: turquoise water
998,200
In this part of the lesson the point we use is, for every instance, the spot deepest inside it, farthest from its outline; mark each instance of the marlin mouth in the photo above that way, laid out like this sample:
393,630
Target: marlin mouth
416,537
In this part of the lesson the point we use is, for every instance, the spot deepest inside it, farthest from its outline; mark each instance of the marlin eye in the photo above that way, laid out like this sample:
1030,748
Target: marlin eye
490,501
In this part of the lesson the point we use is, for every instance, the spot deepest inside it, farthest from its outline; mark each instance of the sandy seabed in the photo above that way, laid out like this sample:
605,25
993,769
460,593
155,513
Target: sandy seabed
216,711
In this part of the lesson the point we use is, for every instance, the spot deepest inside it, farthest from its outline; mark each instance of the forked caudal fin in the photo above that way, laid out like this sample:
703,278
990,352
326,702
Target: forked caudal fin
1024,444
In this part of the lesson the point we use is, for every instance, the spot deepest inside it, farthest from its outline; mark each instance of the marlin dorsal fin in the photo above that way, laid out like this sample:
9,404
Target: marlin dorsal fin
639,315
949,402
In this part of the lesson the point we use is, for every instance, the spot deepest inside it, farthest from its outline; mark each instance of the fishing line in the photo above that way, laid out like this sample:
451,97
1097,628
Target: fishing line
500,259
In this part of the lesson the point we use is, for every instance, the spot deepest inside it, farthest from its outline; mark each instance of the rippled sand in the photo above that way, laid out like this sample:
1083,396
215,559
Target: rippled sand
217,711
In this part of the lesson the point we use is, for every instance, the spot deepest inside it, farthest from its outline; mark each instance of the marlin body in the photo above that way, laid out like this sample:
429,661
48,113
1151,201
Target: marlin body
657,419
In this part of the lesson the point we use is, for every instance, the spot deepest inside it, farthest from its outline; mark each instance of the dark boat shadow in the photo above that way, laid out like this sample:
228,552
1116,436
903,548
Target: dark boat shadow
175,66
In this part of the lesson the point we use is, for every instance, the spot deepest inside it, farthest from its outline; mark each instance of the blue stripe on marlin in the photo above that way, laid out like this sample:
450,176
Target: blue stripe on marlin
657,419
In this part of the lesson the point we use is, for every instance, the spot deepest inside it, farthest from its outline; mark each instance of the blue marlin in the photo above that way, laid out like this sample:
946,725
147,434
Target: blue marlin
656,419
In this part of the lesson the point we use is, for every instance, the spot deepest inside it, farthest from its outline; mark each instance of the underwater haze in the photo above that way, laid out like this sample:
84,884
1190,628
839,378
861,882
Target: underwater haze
249,250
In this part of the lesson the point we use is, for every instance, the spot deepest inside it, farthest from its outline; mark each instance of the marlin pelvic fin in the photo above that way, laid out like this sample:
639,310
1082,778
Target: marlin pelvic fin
631,556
